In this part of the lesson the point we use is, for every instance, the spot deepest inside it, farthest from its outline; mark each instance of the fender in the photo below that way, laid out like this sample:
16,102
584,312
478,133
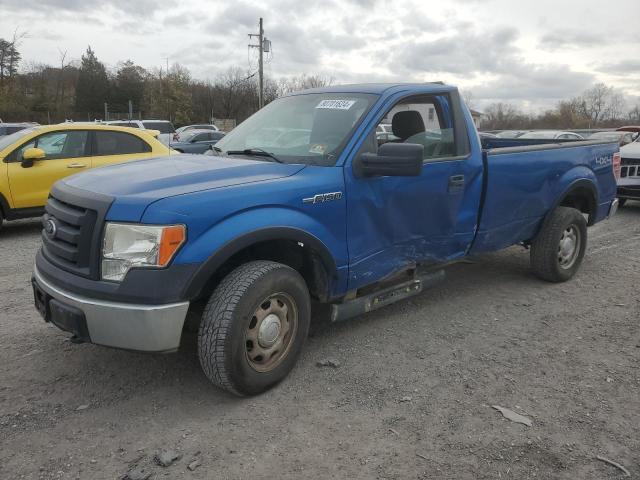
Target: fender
221,255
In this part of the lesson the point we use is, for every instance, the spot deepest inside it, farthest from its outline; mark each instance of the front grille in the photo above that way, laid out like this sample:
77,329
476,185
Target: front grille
71,231
630,171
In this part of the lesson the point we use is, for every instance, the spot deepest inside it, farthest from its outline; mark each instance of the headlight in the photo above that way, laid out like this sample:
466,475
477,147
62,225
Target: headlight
129,245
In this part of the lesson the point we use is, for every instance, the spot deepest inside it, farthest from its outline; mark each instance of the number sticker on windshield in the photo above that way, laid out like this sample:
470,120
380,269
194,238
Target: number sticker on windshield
336,104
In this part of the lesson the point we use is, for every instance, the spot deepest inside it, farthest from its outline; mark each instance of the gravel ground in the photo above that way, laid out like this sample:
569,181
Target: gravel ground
411,398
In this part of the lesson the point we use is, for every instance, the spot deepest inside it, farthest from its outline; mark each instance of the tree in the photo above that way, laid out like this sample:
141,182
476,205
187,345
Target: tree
128,85
92,88
10,56
503,116
302,82
600,103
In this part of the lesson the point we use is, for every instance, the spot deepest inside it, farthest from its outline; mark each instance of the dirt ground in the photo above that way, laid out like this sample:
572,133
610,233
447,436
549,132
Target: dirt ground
411,399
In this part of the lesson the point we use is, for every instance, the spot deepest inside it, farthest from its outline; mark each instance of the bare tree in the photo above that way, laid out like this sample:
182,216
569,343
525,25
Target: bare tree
59,97
467,95
503,116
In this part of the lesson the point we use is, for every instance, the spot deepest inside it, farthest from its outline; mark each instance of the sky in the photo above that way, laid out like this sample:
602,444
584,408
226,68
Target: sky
529,53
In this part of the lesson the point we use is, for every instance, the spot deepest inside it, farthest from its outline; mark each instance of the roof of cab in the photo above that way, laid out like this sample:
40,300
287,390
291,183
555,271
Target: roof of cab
379,88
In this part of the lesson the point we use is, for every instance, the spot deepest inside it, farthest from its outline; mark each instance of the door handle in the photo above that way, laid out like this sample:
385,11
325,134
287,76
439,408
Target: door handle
456,181
76,165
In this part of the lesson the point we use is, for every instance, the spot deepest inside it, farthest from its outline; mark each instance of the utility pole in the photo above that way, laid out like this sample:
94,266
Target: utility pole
262,47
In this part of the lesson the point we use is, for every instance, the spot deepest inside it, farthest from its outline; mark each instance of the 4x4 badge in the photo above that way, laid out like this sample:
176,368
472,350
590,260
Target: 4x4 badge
323,197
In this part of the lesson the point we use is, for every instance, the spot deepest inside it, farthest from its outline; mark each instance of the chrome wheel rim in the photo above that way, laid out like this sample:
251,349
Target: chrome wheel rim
569,247
270,332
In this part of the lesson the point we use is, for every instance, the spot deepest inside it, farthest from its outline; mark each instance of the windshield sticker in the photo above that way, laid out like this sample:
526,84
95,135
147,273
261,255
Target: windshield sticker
336,104
318,148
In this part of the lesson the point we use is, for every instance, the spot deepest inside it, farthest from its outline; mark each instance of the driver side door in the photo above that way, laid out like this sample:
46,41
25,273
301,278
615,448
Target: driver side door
396,222
66,153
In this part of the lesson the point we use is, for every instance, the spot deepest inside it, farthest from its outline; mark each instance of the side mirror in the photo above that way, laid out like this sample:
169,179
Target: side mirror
30,155
392,159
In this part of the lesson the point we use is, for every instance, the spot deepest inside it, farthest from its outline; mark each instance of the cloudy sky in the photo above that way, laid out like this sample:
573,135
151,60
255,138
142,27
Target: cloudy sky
529,52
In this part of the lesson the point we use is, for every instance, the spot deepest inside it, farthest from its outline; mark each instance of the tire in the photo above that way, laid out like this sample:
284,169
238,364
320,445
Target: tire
1,219
621,202
253,327
558,249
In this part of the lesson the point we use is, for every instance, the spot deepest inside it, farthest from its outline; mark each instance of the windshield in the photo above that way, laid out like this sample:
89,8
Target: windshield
311,128
164,127
14,137
186,136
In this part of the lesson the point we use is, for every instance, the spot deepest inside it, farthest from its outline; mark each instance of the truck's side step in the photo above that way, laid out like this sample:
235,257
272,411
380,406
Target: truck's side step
386,296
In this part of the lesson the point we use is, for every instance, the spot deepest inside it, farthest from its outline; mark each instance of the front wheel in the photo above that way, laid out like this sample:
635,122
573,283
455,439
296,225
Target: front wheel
558,249
253,327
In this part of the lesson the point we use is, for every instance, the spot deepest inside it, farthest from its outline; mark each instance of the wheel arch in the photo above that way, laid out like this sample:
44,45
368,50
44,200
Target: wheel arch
581,195
4,206
291,246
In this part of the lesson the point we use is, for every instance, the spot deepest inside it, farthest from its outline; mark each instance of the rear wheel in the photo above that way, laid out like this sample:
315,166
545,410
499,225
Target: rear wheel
1,219
253,327
558,249
621,202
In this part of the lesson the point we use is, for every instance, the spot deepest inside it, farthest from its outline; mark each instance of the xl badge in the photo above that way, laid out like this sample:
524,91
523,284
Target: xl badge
323,197
50,228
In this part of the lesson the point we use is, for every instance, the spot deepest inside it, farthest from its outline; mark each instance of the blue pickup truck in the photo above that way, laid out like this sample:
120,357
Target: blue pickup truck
247,238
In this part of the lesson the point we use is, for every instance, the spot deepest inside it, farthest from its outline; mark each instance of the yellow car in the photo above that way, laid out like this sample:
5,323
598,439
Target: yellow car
33,159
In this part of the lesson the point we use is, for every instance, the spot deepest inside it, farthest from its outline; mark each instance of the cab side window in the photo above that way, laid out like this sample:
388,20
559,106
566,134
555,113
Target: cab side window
118,143
56,145
425,120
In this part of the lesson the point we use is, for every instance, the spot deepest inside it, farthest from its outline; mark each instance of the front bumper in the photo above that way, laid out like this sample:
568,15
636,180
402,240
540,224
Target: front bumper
148,328
629,191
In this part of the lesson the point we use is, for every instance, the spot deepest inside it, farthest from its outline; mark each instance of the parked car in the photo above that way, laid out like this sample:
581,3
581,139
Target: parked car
620,137
263,230
196,141
511,133
165,127
629,181
9,128
551,135
487,135
384,128
34,158
633,129
202,126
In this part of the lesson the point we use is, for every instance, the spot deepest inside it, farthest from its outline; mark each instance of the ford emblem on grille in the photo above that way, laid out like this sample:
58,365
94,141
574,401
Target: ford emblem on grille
50,228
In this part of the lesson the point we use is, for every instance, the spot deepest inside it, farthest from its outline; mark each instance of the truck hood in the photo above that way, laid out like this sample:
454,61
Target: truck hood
135,185
631,150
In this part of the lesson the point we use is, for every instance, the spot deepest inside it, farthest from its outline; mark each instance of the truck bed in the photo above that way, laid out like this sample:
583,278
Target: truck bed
525,177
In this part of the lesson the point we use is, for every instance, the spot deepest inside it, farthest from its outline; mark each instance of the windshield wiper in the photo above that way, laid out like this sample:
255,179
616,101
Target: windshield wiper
258,152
